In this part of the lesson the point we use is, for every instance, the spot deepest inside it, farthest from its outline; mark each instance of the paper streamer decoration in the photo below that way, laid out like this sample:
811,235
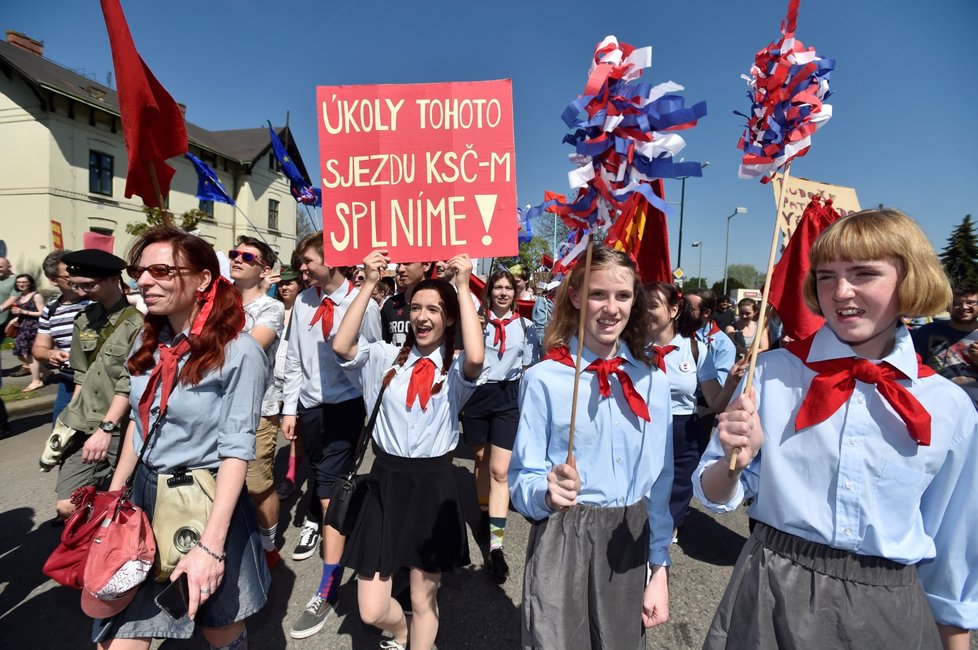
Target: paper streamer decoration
788,85
624,135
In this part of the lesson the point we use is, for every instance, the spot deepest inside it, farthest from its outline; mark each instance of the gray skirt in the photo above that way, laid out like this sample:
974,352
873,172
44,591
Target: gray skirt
787,592
585,578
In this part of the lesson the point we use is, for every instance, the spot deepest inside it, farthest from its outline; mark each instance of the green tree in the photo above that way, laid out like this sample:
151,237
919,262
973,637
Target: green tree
960,256
746,275
693,282
154,217
530,254
543,227
732,285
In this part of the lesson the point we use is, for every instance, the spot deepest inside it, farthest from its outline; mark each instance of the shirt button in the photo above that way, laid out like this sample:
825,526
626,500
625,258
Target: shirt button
617,424
852,442
850,485
848,531
860,399
618,460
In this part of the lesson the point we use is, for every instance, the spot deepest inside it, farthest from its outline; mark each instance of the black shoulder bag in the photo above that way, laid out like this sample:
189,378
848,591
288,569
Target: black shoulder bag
349,492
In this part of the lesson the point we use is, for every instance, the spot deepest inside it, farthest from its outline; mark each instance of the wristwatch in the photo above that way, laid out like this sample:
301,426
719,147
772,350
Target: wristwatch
109,426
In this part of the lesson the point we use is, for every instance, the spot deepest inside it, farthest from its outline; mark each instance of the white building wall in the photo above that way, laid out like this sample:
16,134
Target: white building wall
44,176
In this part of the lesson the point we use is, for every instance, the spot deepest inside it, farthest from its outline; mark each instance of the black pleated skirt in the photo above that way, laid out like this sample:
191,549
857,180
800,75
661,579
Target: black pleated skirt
787,592
411,517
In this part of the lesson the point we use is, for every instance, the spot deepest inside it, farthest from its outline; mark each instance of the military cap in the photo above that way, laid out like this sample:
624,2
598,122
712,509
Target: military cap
288,274
93,263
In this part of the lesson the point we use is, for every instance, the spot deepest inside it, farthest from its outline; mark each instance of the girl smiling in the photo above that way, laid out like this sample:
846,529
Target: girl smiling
862,463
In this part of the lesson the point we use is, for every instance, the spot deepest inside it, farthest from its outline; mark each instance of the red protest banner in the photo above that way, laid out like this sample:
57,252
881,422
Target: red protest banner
424,170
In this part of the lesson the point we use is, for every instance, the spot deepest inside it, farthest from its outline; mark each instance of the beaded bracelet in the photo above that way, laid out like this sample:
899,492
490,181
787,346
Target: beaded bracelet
219,558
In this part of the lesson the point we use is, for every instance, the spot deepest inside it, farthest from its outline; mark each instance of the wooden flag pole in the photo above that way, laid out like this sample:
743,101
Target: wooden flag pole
164,213
580,346
762,315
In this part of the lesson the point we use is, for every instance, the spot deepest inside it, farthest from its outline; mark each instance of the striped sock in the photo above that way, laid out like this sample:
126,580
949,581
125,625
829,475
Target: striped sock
267,536
497,530
331,580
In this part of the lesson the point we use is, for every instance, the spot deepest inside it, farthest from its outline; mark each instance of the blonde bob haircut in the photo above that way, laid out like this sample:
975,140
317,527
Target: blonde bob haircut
564,321
923,289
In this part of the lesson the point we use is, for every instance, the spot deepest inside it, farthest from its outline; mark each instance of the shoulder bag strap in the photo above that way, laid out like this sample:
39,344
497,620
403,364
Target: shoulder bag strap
367,431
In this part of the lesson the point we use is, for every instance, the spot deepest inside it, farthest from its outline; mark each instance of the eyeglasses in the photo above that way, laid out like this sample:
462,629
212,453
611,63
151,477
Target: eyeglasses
250,258
84,287
157,271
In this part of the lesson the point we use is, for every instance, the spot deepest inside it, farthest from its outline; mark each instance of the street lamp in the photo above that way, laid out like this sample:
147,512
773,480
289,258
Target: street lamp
682,201
699,274
726,249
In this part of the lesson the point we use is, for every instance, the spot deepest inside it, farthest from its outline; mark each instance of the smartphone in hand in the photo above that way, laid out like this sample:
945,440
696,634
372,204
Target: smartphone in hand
174,599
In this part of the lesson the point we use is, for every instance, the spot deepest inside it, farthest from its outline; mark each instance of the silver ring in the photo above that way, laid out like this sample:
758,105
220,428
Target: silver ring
205,591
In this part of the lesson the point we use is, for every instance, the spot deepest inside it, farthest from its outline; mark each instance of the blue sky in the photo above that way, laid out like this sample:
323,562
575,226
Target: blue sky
904,92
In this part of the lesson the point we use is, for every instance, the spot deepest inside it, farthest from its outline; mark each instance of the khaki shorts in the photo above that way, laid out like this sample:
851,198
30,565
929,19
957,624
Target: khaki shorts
260,477
74,474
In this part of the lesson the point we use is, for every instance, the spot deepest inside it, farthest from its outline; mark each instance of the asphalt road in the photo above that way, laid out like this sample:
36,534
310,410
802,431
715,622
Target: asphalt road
37,613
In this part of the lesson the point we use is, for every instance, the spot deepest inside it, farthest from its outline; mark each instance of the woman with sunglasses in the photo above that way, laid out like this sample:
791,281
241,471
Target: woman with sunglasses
192,355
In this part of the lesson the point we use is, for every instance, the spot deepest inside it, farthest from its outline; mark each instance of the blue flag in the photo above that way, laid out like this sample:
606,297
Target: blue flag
209,186
525,231
301,190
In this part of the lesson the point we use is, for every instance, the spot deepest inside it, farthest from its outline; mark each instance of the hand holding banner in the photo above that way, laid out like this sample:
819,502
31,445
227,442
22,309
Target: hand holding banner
425,171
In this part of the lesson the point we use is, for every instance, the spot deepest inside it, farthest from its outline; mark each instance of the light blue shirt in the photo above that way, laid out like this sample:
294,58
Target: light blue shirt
211,420
684,373
721,351
620,457
859,482
412,432
521,339
312,369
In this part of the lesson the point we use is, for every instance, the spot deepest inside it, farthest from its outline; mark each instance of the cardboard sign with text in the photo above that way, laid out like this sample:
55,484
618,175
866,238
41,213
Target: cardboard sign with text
797,195
425,171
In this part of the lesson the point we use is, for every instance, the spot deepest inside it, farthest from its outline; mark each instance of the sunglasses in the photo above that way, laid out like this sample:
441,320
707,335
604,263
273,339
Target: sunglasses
84,287
250,258
158,271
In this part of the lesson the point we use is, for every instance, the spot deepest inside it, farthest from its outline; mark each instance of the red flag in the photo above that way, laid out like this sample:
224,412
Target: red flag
641,232
788,277
477,286
152,123
547,196
547,260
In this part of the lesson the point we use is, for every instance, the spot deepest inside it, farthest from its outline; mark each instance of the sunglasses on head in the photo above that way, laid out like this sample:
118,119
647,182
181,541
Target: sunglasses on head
158,271
250,258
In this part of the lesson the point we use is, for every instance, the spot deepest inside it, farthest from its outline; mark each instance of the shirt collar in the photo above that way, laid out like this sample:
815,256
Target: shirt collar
903,357
587,356
415,355
337,296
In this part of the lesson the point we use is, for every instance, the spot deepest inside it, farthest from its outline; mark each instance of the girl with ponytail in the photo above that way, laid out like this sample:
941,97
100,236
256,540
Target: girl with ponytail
196,385
412,514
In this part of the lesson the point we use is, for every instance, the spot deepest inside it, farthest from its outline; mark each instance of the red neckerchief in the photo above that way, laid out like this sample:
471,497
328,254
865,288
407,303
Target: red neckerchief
422,377
500,325
324,313
603,368
659,355
836,379
714,329
164,373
